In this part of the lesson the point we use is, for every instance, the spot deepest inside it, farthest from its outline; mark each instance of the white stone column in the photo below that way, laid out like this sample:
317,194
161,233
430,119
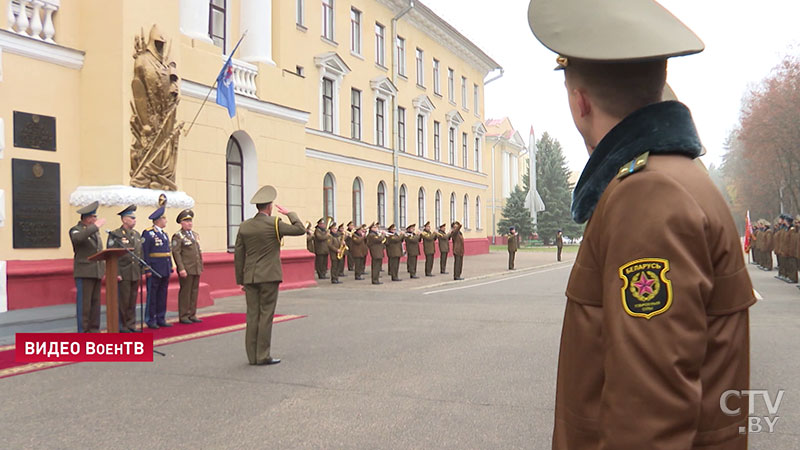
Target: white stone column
194,19
257,20
3,292
2,138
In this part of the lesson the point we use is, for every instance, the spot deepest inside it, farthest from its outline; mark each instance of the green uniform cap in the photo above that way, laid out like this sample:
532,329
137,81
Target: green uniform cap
89,209
266,194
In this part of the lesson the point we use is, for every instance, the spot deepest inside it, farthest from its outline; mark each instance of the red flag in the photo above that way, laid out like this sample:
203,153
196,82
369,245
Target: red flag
748,239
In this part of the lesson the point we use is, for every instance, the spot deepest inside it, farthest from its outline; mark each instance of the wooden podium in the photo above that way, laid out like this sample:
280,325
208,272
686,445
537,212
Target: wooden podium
110,256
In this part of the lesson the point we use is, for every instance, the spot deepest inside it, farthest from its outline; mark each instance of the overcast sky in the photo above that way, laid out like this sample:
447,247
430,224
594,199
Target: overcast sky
744,40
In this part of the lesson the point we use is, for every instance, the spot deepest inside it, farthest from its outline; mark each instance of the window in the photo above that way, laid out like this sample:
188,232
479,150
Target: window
452,207
355,114
420,135
437,142
438,209
401,56
451,87
478,224
217,23
477,154
403,207
380,44
328,196
421,207
380,113
475,98
327,19
234,179
436,87
401,129
382,203
420,67
452,146
300,12
466,212
327,105
464,92
358,188
464,150
355,31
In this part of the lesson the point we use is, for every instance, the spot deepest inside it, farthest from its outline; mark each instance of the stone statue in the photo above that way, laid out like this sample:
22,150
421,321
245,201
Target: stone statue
155,129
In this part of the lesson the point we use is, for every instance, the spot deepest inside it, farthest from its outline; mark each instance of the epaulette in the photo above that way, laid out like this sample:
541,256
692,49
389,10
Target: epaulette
634,165
148,229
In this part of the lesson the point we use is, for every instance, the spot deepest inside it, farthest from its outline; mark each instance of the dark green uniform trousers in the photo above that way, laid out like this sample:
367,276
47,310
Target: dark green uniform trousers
411,264
511,256
321,265
394,267
88,304
187,296
261,301
335,268
127,304
457,266
376,269
443,262
360,264
429,264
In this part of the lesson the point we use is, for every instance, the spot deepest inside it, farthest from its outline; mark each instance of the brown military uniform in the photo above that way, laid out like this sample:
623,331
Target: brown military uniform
376,244
559,245
257,262
458,251
85,243
412,252
333,243
444,248
429,248
189,257
358,251
513,246
769,246
394,251
130,271
321,252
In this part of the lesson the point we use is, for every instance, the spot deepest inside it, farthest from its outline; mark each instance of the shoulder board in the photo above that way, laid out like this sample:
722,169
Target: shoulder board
634,165
148,229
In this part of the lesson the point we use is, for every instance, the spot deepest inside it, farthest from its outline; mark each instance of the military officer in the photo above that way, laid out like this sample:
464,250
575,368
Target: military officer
321,249
376,242
559,244
129,270
334,247
444,247
458,250
86,242
155,248
429,248
656,327
257,262
358,251
394,251
189,263
513,245
412,239
769,245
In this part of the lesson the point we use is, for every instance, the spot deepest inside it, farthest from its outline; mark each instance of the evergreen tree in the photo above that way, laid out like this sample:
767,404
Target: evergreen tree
552,178
515,214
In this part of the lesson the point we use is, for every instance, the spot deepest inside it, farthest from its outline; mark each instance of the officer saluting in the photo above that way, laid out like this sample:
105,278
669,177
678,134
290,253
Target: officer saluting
656,327
156,253
129,271
189,264
86,242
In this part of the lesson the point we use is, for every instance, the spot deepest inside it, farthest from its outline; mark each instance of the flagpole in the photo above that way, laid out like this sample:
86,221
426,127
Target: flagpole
186,133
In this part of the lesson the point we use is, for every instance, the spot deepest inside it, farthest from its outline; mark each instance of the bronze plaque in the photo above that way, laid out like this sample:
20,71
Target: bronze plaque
36,204
34,131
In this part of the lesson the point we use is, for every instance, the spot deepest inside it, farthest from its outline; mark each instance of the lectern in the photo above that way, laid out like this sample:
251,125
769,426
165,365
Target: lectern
110,256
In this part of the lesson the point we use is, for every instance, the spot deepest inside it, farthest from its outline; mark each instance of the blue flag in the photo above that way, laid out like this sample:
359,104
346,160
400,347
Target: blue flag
225,95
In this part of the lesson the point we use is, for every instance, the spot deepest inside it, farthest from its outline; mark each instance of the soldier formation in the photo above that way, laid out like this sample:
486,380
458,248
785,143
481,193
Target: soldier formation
781,237
349,248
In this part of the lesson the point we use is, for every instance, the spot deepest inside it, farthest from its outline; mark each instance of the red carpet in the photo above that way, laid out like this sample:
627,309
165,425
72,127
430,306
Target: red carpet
213,324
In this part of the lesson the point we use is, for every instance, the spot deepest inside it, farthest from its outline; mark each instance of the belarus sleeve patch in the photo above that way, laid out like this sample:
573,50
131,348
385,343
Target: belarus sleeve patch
646,291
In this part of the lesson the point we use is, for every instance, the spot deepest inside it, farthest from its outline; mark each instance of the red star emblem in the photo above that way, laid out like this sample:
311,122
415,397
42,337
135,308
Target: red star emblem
645,285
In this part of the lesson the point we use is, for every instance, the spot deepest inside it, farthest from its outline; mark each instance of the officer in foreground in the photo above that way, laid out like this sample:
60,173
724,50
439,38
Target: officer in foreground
656,322
155,247
257,261
86,242
129,272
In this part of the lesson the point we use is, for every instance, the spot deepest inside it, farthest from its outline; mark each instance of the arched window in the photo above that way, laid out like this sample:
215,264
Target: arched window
329,196
438,209
382,203
452,207
478,223
403,207
234,179
358,212
466,212
421,207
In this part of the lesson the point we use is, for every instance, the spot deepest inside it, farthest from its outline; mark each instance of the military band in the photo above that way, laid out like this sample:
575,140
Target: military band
412,239
335,251
444,247
321,249
429,248
376,242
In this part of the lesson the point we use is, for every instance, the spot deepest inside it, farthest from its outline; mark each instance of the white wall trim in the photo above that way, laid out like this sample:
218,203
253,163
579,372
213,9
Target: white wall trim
2,208
32,48
336,137
125,195
3,293
2,137
199,91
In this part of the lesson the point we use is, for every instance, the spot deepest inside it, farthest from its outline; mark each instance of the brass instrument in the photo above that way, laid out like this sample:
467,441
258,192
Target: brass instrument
328,223
342,248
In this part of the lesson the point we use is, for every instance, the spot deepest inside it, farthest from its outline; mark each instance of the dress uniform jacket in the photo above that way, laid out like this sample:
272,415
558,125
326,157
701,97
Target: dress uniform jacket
310,243
359,246
429,242
513,242
85,243
394,246
334,242
257,256
444,242
412,244
376,244
155,247
320,240
127,268
656,325
186,252
458,242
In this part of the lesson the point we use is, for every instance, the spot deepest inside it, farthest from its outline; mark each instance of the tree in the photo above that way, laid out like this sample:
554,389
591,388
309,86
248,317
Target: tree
552,178
515,214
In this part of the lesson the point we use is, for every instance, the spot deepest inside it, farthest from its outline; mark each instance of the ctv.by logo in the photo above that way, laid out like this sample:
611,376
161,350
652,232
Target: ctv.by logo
754,423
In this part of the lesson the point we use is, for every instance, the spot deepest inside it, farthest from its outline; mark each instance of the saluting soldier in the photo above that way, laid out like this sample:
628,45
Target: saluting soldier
444,247
513,245
376,244
429,248
656,325
129,270
86,242
358,251
394,251
321,249
334,244
412,239
189,264
348,241
458,250
155,247
257,263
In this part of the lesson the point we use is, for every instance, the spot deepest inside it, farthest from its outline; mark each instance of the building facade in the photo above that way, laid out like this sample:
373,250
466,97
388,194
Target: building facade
359,110
509,156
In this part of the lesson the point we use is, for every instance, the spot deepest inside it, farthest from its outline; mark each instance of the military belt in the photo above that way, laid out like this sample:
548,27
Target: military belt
160,255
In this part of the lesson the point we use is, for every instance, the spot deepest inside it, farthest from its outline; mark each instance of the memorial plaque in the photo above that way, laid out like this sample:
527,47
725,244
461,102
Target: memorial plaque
34,131
36,203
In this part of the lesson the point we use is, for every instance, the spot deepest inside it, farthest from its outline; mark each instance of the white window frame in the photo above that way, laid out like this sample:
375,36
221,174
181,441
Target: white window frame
421,207
479,130
464,103
464,149
420,54
423,106
358,202
466,212
300,13
451,85
331,66
360,108
380,44
401,56
381,207
403,203
437,140
437,209
478,224
383,89
355,31
454,121
453,211
476,98
329,27
437,88
333,194
401,129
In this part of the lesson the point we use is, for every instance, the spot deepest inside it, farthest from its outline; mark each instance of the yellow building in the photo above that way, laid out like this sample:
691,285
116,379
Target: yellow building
362,110
509,155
